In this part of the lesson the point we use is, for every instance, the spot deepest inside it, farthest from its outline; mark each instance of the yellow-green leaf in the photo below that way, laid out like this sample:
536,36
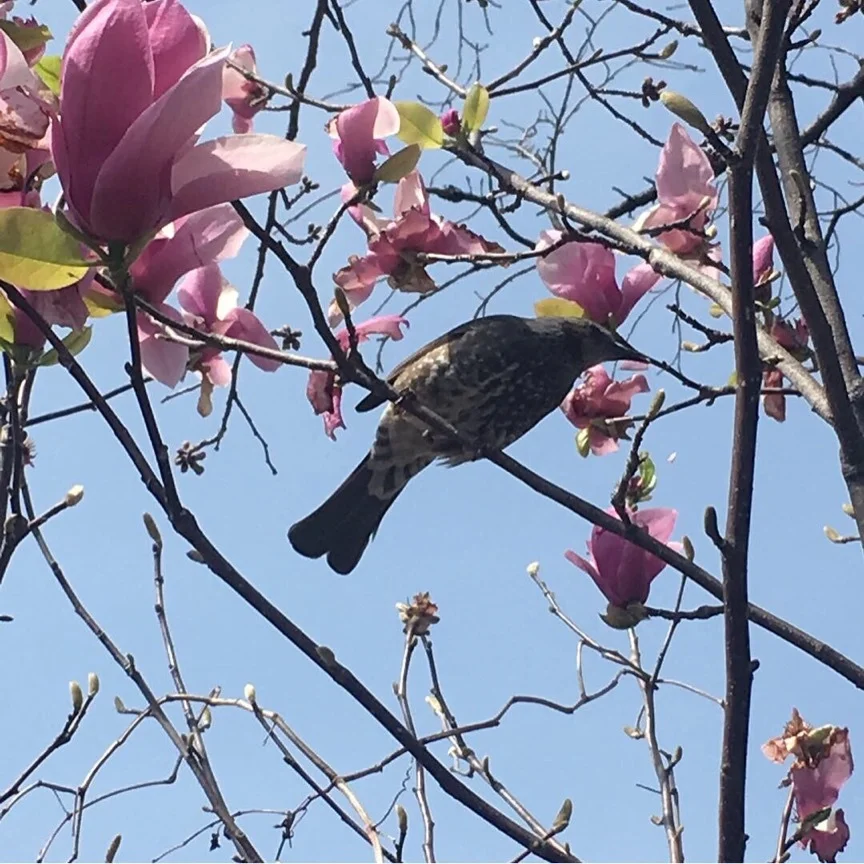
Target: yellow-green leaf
419,125
583,442
26,37
101,305
399,165
558,307
476,108
7,313
76,342
35,253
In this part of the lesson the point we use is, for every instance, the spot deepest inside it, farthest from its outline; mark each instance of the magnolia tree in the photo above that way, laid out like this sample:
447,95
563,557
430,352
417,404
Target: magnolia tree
423,164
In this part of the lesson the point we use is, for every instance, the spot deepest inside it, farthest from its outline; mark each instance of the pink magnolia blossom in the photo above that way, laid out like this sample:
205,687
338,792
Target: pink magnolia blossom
392,245
25,106
794,338
822,765
451,122
763,259
323,390
137,86
245,98
685,188
585,274
359,134
601,398
208,303
621,570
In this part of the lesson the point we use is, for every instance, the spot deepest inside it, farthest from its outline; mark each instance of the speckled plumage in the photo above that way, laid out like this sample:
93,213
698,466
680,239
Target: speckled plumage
493,378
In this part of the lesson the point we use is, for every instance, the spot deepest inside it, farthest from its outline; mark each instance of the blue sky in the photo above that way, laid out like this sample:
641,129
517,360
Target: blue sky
466,536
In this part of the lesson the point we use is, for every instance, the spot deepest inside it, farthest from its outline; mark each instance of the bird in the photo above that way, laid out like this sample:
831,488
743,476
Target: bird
492,378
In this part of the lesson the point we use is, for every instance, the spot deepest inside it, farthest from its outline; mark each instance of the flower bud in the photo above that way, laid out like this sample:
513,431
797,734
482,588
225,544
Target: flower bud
152,529
249,693
668,50
533,569
402,819
77,696
562,820
685,110
92,684
74,495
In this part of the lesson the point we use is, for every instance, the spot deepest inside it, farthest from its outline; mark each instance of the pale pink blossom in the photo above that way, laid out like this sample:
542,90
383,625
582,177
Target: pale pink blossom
822,765
137,86
598,397
359,134
621,570
208,303
245,98
585,274
763,259
393,246
685,191
323,390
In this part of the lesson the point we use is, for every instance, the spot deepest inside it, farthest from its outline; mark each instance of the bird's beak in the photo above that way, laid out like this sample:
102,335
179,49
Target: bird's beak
628,352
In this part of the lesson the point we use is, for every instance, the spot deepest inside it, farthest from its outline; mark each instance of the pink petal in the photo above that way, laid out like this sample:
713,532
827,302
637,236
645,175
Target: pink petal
359,130
358,278
14,68
385,325
684,170
319,391
23,120
635,285
176,40
245,325
163,360
581,272
333,419
410,192
107,81
826,845
583,564
601,444
233,82
199,293
205,237
820,786
135,187
763,257
237,166
218,370
63,307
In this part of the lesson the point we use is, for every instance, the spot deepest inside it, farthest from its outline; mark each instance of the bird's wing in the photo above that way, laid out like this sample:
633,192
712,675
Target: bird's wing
367,403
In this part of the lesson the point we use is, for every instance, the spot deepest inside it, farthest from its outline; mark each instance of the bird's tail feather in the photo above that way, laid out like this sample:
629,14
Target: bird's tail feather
343,525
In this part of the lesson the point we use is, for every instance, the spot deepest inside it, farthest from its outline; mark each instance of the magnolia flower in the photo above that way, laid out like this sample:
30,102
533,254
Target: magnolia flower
359,134
621,570
585,274
393,245
245,98
794,339
763,259
450,122
137,86
685,191
823,764
25,107
209,304
324,392
601,398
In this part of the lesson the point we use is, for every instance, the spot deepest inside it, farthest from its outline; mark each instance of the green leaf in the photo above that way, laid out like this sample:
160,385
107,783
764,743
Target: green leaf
76,342
558,307
26,38
399,165
419,125
583,442
35,253
476,108
647,476
48,69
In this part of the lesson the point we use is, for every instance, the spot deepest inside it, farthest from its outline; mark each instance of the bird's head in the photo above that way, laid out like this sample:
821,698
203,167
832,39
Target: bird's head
596,344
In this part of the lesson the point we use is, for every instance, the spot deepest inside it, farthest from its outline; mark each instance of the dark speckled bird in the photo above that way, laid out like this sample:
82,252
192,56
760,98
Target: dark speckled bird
493,379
